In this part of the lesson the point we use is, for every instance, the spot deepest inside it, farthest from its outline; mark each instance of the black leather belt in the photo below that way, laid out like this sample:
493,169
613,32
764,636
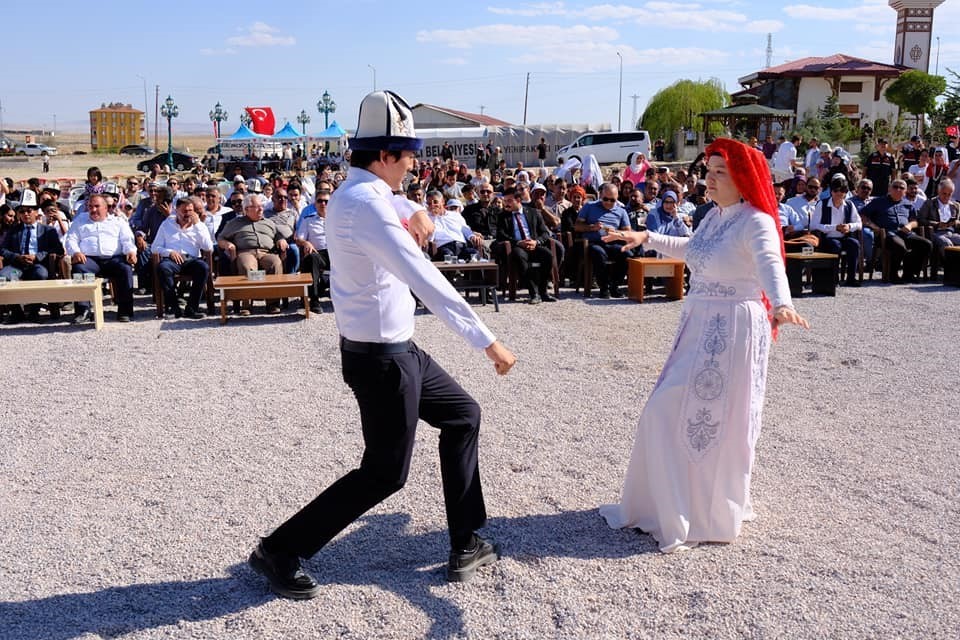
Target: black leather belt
374,348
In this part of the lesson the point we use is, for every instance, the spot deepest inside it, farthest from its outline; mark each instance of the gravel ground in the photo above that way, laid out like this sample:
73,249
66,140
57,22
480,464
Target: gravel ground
139,465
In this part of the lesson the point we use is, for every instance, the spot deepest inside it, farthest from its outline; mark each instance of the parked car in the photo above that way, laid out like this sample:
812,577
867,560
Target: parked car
34,149
608,147
181,162
137,150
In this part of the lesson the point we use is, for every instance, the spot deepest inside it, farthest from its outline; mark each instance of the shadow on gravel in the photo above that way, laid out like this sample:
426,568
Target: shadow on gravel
118,611
378,553
413,567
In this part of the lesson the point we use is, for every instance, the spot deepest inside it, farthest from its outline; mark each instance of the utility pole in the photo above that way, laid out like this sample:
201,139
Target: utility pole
769,50
526,95
635,98
620,94
156,119
482,107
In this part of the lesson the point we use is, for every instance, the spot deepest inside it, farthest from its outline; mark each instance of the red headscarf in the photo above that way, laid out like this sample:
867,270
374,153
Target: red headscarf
751,175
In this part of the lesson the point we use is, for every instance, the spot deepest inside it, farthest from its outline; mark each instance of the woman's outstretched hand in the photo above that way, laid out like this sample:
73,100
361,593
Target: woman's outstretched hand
633,239
788,315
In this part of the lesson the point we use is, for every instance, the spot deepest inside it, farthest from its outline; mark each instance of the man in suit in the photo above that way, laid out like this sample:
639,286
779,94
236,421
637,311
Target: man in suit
25,250
940,216
529,237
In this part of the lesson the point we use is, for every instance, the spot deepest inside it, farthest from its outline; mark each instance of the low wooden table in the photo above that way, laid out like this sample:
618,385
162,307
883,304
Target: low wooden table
485,281
639,269
951,266
50,291
286,285
824,268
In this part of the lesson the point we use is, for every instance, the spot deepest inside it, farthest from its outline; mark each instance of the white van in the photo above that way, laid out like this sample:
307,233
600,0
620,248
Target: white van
608,147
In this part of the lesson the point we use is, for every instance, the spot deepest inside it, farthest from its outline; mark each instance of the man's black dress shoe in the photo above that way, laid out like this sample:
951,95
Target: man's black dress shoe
194,314
464,564
284,574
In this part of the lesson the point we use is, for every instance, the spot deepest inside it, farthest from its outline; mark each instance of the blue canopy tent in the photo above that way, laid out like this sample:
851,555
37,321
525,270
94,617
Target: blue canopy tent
288,133
244,142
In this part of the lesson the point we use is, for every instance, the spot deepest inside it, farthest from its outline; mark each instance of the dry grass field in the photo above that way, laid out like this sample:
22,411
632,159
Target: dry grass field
67,165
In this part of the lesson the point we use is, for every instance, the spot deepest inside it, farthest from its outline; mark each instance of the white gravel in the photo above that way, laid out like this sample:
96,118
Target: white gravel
140,463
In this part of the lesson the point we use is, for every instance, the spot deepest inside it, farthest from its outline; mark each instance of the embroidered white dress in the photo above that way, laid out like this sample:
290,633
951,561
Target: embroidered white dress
688,480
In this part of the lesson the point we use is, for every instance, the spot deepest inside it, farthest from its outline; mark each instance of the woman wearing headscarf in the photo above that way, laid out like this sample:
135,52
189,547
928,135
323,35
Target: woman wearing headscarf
636,171
936,171
665,219
688,480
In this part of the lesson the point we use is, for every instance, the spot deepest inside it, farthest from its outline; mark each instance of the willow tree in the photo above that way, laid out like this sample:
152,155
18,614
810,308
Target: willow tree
679,105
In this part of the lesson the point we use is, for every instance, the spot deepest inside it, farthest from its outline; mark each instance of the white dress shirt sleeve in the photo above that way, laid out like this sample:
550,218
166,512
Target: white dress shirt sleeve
392,247
673,246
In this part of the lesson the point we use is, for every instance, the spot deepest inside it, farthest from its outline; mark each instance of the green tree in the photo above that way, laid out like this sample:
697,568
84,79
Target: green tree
679,105
948,113
828,124
916,92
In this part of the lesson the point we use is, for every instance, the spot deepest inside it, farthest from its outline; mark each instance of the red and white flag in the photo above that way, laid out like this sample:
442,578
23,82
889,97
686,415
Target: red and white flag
263,121
953,131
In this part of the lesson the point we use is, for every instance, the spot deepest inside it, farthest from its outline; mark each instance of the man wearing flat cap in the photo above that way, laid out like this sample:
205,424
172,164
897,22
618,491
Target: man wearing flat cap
375,264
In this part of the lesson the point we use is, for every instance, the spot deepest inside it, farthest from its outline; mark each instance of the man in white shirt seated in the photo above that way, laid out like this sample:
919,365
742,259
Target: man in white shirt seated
311,238
103,245
180,241
213,210
452,235
839,221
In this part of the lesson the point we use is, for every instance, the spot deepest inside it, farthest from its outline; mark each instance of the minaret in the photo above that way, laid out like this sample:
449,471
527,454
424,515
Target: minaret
914,32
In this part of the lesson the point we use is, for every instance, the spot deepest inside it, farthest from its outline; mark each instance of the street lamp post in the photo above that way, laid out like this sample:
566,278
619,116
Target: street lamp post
303,119
169,110
620,93
218,115
326,106
374,69
245,119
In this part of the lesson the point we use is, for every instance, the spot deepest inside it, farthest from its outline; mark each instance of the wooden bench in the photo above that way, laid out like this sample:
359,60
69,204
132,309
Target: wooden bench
639,269
824,269
287,285
486,280
951,266
50,291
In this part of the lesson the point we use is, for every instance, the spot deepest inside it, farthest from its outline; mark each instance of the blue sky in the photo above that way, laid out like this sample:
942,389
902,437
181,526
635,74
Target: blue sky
460,55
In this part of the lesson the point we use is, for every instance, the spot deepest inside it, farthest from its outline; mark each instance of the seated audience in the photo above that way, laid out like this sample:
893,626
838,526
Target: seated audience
311,237
609,262
103,245
905,248
252,242
838,221
180,243
529,239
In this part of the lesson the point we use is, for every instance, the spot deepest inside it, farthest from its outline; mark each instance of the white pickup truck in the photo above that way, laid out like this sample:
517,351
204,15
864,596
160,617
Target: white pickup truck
34,149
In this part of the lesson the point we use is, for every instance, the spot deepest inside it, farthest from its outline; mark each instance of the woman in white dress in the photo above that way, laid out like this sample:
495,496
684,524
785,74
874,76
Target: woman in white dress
689,475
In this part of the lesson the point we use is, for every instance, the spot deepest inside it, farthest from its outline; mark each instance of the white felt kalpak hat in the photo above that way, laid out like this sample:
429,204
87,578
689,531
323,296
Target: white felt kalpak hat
385,124
28,200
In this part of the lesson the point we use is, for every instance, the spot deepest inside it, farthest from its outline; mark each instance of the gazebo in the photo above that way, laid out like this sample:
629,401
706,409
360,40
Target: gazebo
746,120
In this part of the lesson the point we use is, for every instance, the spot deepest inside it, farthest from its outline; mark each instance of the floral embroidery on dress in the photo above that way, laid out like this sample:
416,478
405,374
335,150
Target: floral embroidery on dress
709,383
704,243
701,431
712,289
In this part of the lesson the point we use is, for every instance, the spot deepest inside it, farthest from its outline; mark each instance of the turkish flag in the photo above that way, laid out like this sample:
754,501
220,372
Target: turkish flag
263,121
953,131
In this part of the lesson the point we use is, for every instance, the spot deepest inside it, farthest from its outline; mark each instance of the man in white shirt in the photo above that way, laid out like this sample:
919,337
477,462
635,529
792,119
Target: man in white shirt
376,264
180,243
213,210
452,236
785,158
311,238
103,245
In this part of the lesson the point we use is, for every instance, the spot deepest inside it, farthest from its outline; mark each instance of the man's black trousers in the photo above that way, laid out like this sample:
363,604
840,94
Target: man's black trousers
394,391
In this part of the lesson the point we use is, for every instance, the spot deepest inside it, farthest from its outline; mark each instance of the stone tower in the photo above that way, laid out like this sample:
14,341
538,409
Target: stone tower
914,32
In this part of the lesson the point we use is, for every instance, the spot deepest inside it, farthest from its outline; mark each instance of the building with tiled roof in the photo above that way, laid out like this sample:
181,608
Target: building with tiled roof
430,116
803,85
